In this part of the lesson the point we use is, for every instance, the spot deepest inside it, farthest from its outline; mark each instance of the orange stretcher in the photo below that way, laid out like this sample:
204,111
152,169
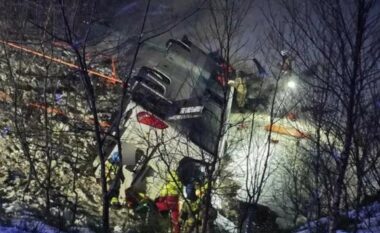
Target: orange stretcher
289,131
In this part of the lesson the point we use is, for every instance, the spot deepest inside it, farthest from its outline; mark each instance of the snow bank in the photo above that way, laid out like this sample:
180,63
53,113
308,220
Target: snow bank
368,220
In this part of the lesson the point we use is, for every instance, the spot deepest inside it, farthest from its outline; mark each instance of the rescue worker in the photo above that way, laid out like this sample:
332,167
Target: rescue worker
190,216
140,203
168,201
111,166
286,65
189,170
190,173
192,211
111,170
240,86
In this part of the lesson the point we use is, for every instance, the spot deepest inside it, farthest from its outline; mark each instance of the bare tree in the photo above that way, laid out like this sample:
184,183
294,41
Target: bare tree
221,36
125,96
38,108
337,43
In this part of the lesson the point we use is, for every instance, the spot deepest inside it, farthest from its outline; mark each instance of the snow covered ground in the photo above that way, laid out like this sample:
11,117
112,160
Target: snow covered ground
248,169
29,225
73,187
365,220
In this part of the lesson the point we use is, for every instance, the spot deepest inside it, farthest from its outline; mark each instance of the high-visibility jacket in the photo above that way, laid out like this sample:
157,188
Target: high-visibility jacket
111,170
201,190
241,91
168,200
172,186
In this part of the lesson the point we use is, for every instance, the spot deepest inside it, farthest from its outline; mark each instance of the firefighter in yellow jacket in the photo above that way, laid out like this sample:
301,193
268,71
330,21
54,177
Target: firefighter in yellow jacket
240,85
168,201
191,209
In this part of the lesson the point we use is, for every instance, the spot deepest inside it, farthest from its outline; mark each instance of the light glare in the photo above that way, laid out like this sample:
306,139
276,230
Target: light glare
292,84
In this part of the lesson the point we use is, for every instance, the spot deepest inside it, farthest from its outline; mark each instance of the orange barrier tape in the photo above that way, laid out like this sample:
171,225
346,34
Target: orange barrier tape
56,111
108,78
286,131
61,44
103,124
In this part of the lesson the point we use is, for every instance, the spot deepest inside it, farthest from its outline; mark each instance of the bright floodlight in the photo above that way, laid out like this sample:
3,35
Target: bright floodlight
292,84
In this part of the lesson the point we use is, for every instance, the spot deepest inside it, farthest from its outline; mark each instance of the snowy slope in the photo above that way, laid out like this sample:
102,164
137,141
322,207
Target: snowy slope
367,218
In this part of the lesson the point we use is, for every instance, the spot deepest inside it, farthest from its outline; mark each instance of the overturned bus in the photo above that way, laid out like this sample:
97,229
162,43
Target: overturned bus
177,109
